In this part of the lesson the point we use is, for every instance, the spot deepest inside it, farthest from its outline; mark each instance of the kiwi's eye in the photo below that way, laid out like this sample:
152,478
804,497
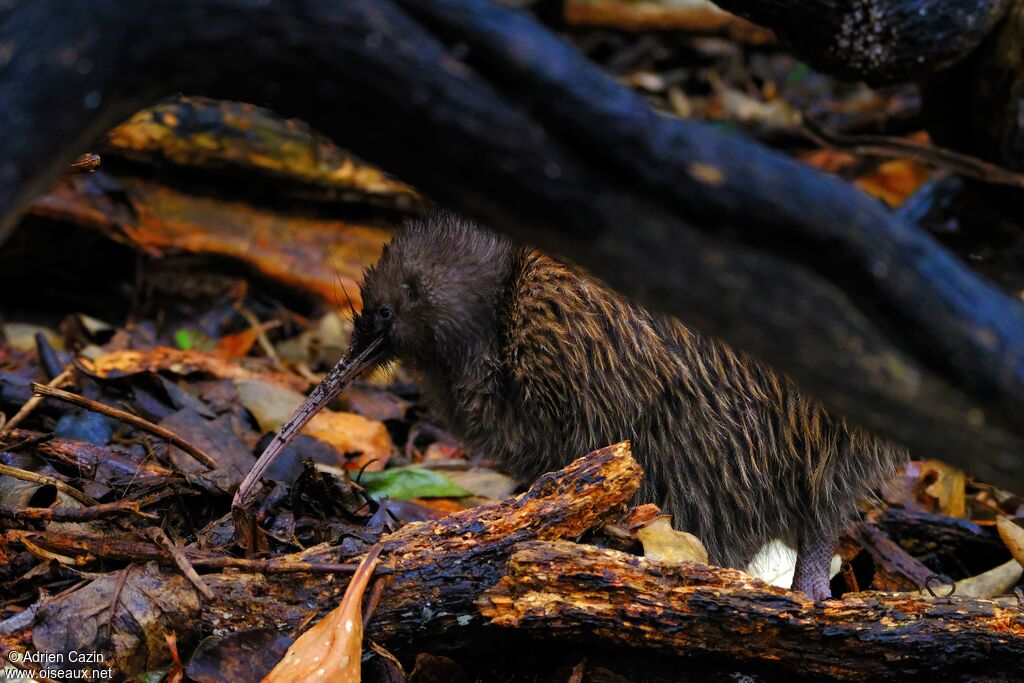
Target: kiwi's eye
385,313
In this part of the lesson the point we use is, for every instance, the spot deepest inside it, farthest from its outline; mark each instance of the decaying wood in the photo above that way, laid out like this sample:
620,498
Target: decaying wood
436,569
85,549
923,532
439,567
860,307
56,514
895,568
571,591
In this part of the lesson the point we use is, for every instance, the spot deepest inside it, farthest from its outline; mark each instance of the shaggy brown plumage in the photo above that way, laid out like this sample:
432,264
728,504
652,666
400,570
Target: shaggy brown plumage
536,363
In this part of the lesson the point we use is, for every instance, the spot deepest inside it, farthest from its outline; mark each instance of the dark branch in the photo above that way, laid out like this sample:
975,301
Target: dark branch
878,41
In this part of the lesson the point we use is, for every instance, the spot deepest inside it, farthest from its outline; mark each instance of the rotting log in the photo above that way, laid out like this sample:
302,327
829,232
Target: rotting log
864,310
573,592
437,568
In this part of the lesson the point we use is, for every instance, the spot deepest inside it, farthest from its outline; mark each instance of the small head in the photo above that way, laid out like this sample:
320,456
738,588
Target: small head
434,292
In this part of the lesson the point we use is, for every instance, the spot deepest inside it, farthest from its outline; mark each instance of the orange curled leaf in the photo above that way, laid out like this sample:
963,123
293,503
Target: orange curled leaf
331,650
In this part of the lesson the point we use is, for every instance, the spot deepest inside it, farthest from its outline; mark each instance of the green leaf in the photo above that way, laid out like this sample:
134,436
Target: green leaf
403,483
185,339
797,75
154,676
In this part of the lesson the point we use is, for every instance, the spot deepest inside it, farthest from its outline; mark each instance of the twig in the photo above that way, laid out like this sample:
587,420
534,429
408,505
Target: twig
127,418
30,441
87,514
87,163
886,146
31,404
44,480
281,566
114,548
376,591
122,578
157,535
261,334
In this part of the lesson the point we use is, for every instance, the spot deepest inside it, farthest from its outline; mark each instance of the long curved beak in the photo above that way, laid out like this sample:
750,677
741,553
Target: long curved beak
336,380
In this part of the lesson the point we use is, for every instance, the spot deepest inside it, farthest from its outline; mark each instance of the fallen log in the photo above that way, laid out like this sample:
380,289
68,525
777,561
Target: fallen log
574,592
436,570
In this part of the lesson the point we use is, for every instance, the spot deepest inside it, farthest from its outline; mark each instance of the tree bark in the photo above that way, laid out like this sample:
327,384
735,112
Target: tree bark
572,592
436,569
878,41
863,309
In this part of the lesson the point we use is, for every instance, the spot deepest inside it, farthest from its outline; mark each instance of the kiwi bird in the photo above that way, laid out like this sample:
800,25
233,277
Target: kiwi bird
535,363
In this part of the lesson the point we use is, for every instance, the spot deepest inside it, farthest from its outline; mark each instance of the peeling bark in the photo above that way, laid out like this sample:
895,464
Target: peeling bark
574,592
437,569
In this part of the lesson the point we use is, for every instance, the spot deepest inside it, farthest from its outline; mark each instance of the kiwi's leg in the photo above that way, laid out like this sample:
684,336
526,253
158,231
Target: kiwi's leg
814,556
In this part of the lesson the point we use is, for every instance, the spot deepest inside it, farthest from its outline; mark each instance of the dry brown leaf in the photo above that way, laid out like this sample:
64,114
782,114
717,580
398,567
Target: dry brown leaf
483,482
943,487
351,433
22,336
165,359
239,344
272,405
681,15
445,505
829,160
662,542
304,252
249,138
331,650
894,181
1013,537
